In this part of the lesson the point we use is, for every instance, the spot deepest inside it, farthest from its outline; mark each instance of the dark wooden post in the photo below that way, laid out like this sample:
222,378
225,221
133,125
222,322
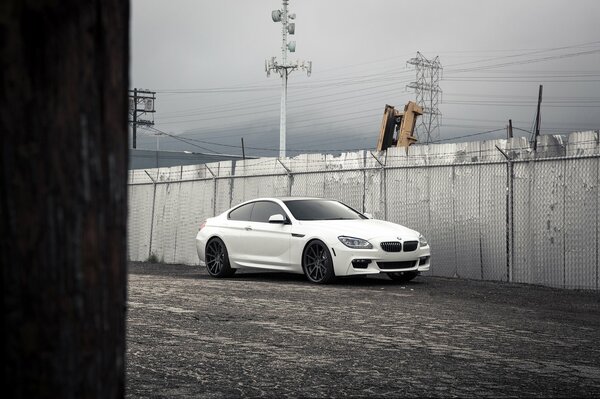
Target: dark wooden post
63,198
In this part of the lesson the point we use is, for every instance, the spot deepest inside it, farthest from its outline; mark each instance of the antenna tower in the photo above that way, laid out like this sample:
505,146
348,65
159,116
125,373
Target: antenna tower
428,92
283,67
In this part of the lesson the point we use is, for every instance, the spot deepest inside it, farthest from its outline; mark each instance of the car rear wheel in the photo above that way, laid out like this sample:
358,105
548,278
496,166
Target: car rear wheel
403,277
217,259
317,263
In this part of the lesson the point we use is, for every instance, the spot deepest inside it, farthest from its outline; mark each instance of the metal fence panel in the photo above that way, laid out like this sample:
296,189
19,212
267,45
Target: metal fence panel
395,195
308,185
223,192
467,221
374,202
248,188
347,187
522,228
493,221
581,228
139,221
442,236
547,210
417,195
196,206
164,230
407,199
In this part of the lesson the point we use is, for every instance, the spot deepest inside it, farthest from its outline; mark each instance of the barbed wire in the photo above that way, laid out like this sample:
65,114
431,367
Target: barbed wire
364,161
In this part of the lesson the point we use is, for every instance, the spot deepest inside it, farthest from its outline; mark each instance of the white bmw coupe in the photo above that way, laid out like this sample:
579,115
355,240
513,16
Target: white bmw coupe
318,237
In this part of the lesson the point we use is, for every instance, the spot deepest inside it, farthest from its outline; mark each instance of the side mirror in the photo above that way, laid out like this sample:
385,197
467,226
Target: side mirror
277,218
368,215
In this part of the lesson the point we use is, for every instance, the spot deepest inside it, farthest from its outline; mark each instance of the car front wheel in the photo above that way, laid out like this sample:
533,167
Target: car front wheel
317,263
217,259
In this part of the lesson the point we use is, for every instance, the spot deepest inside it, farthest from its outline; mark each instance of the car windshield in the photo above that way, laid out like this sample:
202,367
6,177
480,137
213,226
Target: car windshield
311,209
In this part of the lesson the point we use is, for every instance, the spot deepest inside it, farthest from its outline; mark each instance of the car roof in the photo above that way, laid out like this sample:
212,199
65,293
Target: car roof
274,199
300,198
289,198
282,199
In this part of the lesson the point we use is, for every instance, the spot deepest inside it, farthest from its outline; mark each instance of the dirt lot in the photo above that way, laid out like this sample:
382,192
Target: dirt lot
262,334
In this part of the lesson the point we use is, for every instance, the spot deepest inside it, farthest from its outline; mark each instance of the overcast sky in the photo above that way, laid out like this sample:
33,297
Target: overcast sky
205,60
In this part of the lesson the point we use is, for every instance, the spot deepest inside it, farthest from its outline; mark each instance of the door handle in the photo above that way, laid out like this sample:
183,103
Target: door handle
248,228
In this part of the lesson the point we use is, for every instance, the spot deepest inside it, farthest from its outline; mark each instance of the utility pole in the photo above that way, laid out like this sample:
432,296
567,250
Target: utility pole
64,258
243,150
284,68
510,130
145,98
537,119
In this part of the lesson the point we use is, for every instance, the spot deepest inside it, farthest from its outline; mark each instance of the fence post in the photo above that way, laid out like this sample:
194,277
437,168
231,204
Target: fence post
214,177
509,216
152,216
289,175
364,207
383,187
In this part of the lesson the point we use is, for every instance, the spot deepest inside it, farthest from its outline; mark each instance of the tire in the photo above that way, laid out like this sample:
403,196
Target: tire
317,263
217,259
403,277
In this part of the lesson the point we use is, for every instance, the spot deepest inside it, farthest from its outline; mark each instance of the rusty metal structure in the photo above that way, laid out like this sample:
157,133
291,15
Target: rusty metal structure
397,127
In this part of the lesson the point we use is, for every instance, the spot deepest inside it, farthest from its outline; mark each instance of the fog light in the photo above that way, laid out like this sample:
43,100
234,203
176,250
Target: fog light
423,260
361,263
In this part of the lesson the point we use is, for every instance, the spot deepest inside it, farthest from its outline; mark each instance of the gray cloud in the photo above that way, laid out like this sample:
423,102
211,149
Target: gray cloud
206,60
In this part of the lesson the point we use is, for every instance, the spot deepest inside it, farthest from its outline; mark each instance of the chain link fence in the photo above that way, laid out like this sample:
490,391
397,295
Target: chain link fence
491,210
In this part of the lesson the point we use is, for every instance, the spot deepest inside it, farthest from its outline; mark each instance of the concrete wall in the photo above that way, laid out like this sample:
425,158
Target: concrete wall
146,159
492,210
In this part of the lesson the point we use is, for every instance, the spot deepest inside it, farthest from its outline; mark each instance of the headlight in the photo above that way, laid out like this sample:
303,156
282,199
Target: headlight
357,243
422,241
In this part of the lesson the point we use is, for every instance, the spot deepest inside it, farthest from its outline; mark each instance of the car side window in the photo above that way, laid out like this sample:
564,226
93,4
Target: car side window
264,209
241,213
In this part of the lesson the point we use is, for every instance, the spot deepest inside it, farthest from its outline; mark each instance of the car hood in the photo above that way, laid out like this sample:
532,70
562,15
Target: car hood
362,228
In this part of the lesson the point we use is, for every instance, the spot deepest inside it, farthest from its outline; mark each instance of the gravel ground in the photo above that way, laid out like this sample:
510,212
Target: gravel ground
274,335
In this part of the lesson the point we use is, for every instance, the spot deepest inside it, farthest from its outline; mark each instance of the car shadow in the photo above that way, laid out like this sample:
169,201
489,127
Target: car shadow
347,281
199,273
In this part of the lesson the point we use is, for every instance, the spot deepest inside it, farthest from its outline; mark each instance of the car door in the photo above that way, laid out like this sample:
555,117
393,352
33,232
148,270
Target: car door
238,221
267,244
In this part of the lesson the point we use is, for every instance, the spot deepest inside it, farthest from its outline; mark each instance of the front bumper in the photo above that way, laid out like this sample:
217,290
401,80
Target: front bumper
350,262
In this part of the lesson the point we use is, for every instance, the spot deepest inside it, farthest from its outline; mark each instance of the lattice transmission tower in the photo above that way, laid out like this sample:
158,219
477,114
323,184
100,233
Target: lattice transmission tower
428,92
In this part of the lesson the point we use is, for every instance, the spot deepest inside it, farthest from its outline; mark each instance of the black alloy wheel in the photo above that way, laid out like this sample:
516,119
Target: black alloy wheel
403,277
217,259
317,263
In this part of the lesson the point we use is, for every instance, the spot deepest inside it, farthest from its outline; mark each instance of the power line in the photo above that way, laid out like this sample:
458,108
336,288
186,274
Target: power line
470,135
304,149
302,103
523,62
180,139
260,84
340,87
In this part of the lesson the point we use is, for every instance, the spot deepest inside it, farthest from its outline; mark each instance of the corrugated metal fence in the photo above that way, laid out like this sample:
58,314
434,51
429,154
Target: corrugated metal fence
491,210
